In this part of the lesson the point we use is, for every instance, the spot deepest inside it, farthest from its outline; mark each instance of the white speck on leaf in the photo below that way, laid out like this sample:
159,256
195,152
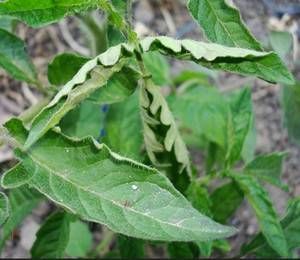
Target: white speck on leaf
134,187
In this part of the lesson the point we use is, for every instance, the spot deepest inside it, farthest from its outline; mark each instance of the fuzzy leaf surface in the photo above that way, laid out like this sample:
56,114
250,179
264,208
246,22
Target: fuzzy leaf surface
100,186
4,208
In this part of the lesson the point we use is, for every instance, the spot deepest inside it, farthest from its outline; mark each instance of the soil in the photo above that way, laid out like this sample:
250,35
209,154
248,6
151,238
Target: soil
167,17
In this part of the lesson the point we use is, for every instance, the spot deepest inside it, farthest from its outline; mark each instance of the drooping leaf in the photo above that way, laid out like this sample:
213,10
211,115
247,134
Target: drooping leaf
291,107
130,248
22,201
204,111
80,240
86,119
14,59
225,201
159,68
128,197
119,87
39,13
4,208
240,118
265,65
89,78
123,128
290,224
160,130
52,238
267,168
64,67
222,23
266,215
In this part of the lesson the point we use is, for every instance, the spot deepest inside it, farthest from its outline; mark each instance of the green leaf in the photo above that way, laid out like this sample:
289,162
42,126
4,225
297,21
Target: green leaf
80,240
290,224
266,215
64,67
281,42
52,238
87,119
4,208
267,168
203,110
131,248
22,201
240,103
89,78
14,59
291,107
7,23
222,23
123,128
160,130
119,87
199,197
265,65
128,197
158,66
39,13
248,151
225,201
205,248
179,250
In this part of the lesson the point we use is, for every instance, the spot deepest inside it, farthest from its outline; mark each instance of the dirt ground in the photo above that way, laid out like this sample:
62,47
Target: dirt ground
160,17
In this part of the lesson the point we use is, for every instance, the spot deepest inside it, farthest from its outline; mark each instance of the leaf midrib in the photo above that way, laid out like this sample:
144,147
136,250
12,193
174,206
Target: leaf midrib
100,195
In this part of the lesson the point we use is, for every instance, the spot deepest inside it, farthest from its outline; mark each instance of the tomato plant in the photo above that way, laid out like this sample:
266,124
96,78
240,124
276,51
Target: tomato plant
105,145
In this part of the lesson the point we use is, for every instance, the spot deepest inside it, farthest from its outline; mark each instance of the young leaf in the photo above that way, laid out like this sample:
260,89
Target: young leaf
123,128
131,248
291,107
160,130
290,224
64,67
266,215
14,59
225,201
222,23
203,110
268,168
158,66
80,240
240,118
52,237
128,197
265,65
119,87
4,208
39,13
22,201
89,78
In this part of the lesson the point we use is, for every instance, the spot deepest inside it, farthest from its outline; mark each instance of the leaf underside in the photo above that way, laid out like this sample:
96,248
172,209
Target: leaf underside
101,186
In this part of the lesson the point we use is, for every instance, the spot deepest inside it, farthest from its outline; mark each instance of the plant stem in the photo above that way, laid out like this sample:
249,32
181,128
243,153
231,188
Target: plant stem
103,247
